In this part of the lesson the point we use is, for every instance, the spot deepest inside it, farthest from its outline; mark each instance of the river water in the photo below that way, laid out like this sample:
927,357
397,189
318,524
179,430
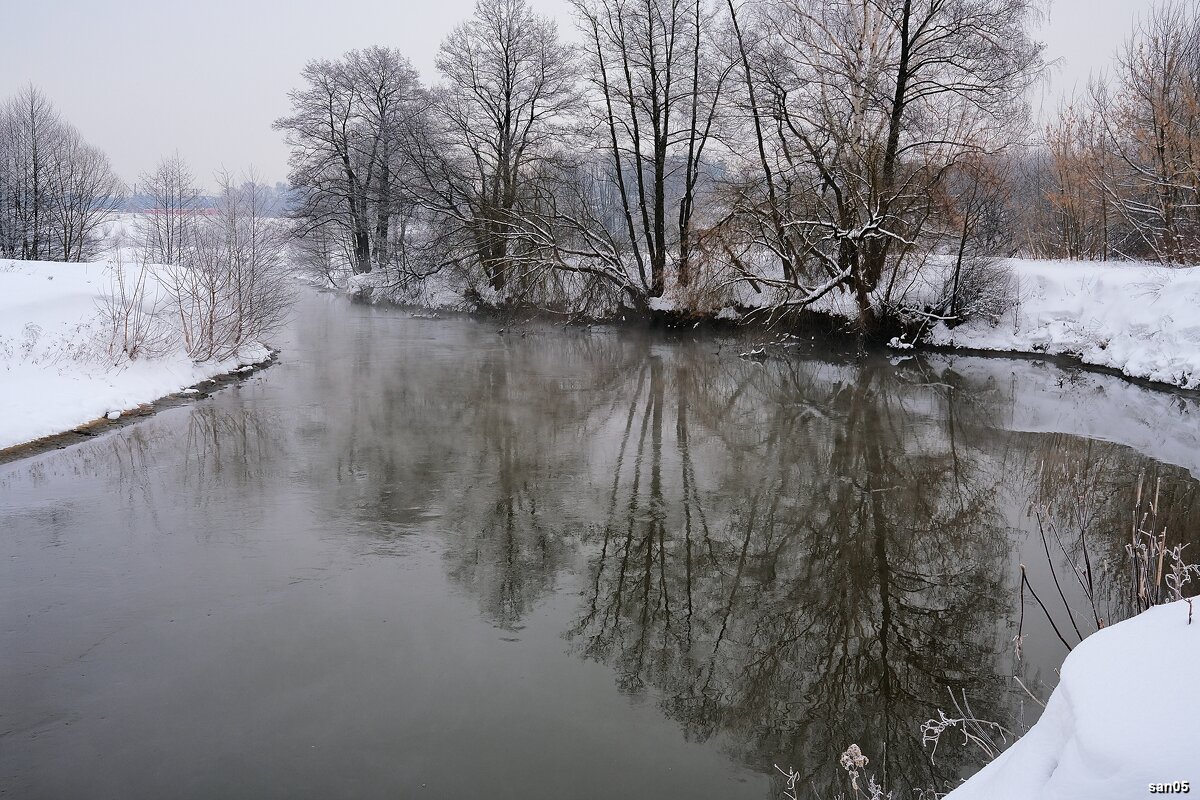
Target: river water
418,558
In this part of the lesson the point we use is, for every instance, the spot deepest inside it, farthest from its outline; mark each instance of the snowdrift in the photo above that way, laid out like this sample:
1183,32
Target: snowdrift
1121,722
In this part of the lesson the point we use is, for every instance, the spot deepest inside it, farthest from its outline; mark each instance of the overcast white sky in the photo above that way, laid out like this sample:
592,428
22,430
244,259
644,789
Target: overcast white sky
141,78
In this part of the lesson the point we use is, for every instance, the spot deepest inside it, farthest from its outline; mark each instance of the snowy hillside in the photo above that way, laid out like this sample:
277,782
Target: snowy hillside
1140,319
56,367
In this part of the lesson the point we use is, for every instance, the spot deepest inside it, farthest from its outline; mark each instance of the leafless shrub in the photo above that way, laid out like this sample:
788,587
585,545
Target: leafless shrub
1159,572
985,289
230,288
134,328
975,287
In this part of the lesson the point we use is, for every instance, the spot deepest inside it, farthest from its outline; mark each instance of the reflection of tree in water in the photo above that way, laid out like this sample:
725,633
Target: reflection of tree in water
1087,492
504,551
526,430
488,447
229,444
843,571
215,457
790,556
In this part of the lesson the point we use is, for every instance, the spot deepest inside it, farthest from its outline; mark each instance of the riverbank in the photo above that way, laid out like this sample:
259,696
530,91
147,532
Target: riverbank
95,427
1142,320
1120,724
60,375
1139,320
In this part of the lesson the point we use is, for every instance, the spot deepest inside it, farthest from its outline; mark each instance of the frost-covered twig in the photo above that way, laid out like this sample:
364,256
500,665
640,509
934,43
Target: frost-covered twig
976,731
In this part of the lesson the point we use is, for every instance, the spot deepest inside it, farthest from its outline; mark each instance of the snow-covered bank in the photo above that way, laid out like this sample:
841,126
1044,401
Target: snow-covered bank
1140,319
55,369
1121,721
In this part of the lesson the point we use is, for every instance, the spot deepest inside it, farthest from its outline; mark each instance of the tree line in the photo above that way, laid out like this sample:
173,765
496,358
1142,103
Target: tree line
679,152
1119,175
693,155
208,276
55,188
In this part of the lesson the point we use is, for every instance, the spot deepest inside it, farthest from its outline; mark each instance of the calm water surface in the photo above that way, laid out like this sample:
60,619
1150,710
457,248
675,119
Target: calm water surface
418,559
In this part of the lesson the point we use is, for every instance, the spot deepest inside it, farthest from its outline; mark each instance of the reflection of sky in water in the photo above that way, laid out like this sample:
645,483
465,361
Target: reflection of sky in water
416,552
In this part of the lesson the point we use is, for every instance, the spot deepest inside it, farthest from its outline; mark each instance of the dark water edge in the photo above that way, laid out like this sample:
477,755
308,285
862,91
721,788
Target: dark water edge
418,557
833,334
129,416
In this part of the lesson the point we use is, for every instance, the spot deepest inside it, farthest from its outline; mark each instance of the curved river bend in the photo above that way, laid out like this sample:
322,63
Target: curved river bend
419,559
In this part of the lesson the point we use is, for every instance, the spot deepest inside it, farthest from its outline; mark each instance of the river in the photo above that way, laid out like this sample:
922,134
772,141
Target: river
420,558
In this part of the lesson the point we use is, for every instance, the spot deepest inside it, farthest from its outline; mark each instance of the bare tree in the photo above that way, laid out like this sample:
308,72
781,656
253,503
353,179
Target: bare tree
252,240
55,188
166,230
657,83
344,130
798,147
229,288
1071,214
1149,114
973,207
509,94
84,192
859,109
30,127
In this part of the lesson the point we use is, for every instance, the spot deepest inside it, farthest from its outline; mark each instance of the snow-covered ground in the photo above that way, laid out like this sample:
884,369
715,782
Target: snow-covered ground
56,371
1140,319
1121,722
